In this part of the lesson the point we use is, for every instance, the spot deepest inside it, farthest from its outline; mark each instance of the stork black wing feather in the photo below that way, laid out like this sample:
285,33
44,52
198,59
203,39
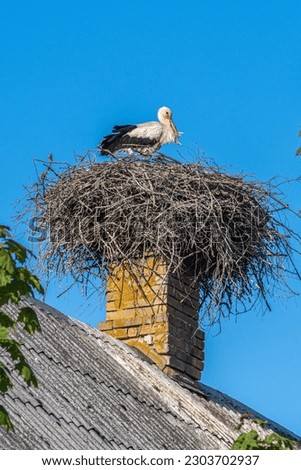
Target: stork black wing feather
111,142
123,129
119,139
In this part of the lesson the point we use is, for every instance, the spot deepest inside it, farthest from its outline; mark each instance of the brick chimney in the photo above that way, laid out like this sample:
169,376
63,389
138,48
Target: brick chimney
157,313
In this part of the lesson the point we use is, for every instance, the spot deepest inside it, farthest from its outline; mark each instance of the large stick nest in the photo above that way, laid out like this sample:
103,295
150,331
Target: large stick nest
225,230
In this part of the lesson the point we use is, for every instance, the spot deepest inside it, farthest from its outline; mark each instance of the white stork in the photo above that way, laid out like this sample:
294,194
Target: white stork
144,138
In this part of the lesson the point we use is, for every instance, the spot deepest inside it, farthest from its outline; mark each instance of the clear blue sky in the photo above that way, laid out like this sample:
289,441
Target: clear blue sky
231,72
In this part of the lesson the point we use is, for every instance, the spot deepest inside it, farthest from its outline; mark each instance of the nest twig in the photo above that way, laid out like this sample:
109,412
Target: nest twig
227,231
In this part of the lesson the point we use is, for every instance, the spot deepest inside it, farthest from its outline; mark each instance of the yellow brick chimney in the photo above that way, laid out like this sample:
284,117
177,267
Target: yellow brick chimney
157,313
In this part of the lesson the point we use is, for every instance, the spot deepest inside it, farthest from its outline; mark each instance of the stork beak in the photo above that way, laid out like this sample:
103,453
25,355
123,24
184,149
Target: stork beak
175,130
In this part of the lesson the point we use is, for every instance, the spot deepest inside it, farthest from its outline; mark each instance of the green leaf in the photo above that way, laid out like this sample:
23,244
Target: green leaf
4,231
3,334
5,382
251,441
5,419
14,350
261,422
29,317
247,441
26,373
276,442
15,289
34,281
15,281
6,262
6,321
6,295
30,281
19,250
5,278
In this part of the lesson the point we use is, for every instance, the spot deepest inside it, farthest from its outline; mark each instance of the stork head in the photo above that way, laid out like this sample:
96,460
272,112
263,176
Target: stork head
164,114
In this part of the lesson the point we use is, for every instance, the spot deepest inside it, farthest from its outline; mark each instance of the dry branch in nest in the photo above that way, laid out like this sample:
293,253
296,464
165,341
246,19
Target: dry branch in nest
226,231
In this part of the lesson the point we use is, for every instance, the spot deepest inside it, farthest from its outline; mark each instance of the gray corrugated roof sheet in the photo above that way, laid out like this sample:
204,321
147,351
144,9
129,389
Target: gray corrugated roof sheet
97,393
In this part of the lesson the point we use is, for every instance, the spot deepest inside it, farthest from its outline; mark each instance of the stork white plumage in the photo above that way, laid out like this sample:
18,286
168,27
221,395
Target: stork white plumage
144,138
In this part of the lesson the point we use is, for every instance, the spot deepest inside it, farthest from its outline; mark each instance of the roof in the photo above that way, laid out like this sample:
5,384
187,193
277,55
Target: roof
95,392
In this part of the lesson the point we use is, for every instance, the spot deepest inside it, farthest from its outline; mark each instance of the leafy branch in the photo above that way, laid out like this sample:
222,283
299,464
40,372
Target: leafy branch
16,281
252,441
